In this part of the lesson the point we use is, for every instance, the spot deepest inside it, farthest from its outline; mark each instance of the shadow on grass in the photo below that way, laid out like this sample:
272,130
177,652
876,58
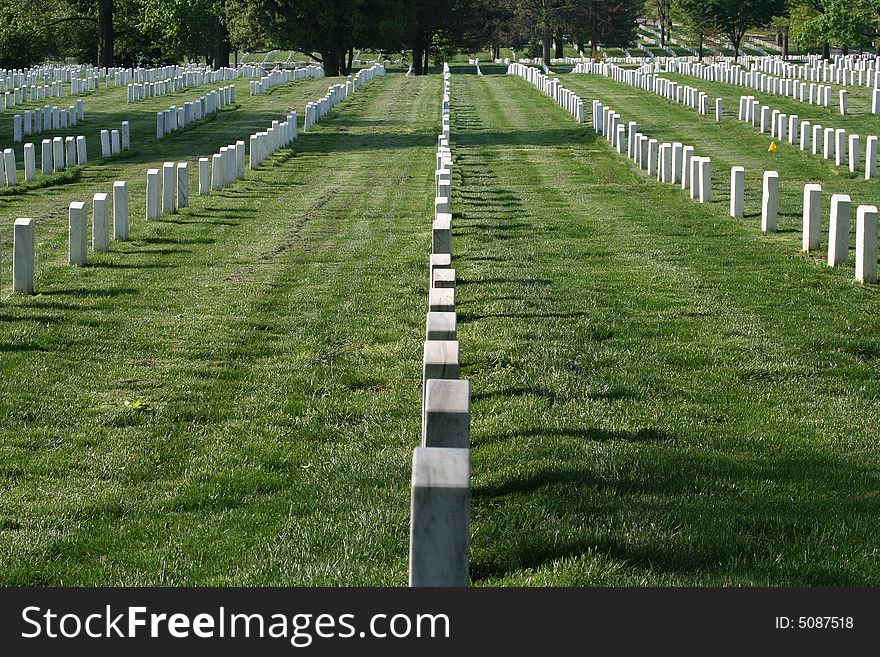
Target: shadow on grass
84,293
751,516
468,318
129,265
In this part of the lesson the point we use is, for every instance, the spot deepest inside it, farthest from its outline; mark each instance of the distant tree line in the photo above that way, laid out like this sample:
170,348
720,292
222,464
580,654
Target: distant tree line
150,32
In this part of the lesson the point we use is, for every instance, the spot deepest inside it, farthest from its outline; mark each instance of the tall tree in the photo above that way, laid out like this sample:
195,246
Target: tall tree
735,17
328,31
842,23
662,11
698,18
23,36
602,22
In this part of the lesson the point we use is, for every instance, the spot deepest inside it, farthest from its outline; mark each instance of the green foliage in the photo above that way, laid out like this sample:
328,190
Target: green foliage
23,40
841,23
331,30
601,22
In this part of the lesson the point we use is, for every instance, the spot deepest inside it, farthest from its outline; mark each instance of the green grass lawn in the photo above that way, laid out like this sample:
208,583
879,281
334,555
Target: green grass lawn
736,143
661,395
232,396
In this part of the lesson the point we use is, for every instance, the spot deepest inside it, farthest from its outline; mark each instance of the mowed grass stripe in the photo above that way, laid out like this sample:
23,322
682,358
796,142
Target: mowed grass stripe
267,344
47,198
735,143
660,397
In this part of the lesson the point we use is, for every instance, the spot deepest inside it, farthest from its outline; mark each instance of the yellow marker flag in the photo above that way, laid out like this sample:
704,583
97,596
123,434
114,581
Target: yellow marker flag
772,148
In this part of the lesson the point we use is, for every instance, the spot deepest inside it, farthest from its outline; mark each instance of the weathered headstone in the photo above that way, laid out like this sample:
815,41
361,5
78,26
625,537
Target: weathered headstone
441,359
440,326
441,300
439,545
446,414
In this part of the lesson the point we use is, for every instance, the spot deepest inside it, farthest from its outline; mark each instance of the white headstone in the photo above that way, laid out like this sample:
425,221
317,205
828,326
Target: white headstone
871,157
737,191
169,187
30,162
705,180
9,167
439,546
100,223
770,201
866,244
153,194
204,176
77,234
23,256
81,152
182,185
46,159
120,210
812,227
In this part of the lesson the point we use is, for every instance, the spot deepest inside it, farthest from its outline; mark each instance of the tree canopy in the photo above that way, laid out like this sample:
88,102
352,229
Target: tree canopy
151,32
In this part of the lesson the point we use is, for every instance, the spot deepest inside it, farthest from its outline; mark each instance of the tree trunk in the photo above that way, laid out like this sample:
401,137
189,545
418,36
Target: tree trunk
223,48
594,49
418,65
560,44
778,38
662,33
826,50
427,53
106,35
701,47
845,50
785,45
331,62
547,43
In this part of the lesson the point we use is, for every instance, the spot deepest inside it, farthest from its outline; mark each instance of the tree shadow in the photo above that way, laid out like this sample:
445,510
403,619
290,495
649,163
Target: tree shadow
675,510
